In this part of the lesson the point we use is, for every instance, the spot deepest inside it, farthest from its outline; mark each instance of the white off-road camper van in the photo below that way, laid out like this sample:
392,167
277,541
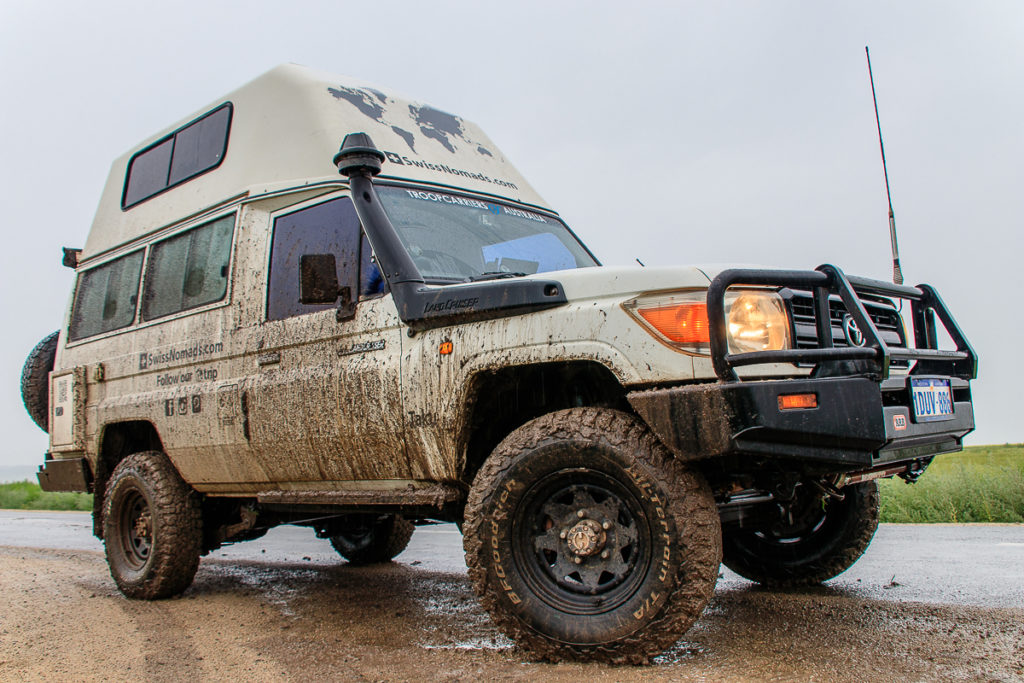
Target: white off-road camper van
316,302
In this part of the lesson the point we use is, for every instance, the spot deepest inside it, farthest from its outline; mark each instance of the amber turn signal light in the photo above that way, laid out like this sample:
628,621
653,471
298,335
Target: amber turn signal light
682,323
446,348
798,401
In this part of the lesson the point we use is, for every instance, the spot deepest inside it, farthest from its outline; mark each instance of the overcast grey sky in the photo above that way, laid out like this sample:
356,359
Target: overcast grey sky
670,132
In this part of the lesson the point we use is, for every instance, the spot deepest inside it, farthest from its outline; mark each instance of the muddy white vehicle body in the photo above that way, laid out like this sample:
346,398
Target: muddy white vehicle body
256,339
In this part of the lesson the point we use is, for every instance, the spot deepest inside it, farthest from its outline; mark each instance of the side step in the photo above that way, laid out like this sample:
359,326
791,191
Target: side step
433,495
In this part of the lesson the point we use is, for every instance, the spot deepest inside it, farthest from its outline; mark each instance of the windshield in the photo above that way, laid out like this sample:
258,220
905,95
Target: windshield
454,239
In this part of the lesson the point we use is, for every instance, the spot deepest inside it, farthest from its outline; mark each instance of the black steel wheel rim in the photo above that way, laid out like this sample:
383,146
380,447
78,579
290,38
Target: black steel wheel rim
599,582
803,531
811,529
136,527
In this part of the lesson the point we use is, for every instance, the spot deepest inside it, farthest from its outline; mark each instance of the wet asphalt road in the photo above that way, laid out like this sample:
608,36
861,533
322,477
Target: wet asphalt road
925,603
968,565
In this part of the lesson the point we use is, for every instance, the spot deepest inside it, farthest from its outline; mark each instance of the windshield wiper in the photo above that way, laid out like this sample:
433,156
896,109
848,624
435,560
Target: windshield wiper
493,275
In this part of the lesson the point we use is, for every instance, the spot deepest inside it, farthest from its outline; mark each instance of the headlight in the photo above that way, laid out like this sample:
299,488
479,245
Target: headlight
756,320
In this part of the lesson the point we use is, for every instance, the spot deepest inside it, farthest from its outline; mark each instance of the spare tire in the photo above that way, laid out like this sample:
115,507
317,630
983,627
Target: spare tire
35,380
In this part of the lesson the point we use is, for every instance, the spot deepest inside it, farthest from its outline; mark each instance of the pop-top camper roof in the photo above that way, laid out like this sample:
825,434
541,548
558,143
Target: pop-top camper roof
281,131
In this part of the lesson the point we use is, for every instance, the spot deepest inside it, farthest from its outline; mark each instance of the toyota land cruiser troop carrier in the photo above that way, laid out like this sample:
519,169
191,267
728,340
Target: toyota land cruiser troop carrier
266,330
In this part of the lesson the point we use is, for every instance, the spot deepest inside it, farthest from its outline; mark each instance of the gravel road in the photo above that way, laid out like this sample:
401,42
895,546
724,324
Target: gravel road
925,603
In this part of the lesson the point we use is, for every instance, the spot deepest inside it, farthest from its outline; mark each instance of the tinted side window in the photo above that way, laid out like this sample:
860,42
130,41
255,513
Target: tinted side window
189,151
105,297
328,228
199,146
147,173
188,270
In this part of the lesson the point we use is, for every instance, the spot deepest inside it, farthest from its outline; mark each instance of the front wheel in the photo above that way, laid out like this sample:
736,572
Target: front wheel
586,540
821,539
152,527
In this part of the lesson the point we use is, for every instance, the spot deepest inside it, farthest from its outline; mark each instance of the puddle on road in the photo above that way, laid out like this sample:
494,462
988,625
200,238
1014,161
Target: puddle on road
277,585
495,643
682,651
457,622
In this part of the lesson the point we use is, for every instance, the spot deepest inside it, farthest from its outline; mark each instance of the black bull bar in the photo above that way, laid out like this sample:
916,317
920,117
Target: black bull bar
863,418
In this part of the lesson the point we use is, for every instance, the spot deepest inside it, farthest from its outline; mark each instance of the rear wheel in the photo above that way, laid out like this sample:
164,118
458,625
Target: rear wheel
822,538
152,527
586,540
371,539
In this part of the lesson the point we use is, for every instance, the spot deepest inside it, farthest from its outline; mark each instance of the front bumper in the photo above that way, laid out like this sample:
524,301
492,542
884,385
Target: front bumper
858,423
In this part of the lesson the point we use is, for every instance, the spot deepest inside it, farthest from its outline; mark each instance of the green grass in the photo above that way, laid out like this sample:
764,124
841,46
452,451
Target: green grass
982,484
24,495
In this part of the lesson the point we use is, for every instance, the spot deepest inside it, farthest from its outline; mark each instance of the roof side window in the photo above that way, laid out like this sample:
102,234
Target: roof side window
186,153
328,228
188,270
106,296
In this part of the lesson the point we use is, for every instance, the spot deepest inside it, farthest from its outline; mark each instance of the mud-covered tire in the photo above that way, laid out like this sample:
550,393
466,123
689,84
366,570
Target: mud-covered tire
824,546
642,579
372,539
152,527
35,380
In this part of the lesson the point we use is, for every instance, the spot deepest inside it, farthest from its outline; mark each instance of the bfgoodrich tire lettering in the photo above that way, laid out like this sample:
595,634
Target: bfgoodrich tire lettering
152,527
586,540
820,545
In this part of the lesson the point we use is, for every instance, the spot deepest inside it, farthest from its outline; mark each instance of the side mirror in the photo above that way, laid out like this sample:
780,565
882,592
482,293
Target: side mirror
318,284
318,279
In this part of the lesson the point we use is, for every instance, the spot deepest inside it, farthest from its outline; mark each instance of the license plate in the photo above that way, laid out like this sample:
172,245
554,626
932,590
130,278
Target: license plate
932,399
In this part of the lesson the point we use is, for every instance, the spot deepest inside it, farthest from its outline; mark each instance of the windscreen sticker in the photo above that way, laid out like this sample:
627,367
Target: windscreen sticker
496,209
529,215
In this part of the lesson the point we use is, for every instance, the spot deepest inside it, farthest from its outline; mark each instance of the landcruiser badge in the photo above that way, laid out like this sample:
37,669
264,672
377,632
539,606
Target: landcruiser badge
852,332
362,347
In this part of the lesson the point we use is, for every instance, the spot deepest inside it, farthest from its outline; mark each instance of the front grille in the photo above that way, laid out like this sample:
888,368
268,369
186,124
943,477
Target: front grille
883,314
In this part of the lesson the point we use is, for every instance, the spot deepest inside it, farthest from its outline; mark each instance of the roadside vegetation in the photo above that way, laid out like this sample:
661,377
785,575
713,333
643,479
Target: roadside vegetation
982,484
25,495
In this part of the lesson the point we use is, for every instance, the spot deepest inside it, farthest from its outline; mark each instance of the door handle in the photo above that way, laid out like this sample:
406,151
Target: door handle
271,358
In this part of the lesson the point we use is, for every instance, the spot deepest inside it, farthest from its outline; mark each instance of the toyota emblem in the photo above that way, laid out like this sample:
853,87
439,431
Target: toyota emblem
853,334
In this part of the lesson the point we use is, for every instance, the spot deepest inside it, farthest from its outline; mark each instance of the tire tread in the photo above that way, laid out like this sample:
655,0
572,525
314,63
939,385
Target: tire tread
35,380
693,508
178,542
848,548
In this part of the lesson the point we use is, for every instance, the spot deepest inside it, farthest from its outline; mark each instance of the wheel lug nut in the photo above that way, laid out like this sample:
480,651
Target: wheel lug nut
578,560
605,555
581,514
606,525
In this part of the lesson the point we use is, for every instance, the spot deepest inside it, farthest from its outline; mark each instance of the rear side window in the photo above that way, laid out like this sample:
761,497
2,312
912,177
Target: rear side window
106,296
188,270
189,151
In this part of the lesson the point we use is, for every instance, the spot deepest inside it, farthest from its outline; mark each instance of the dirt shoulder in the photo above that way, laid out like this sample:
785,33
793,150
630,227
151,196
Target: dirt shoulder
61,618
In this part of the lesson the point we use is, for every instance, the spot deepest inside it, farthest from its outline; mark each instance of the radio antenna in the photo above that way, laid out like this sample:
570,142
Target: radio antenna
897,274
